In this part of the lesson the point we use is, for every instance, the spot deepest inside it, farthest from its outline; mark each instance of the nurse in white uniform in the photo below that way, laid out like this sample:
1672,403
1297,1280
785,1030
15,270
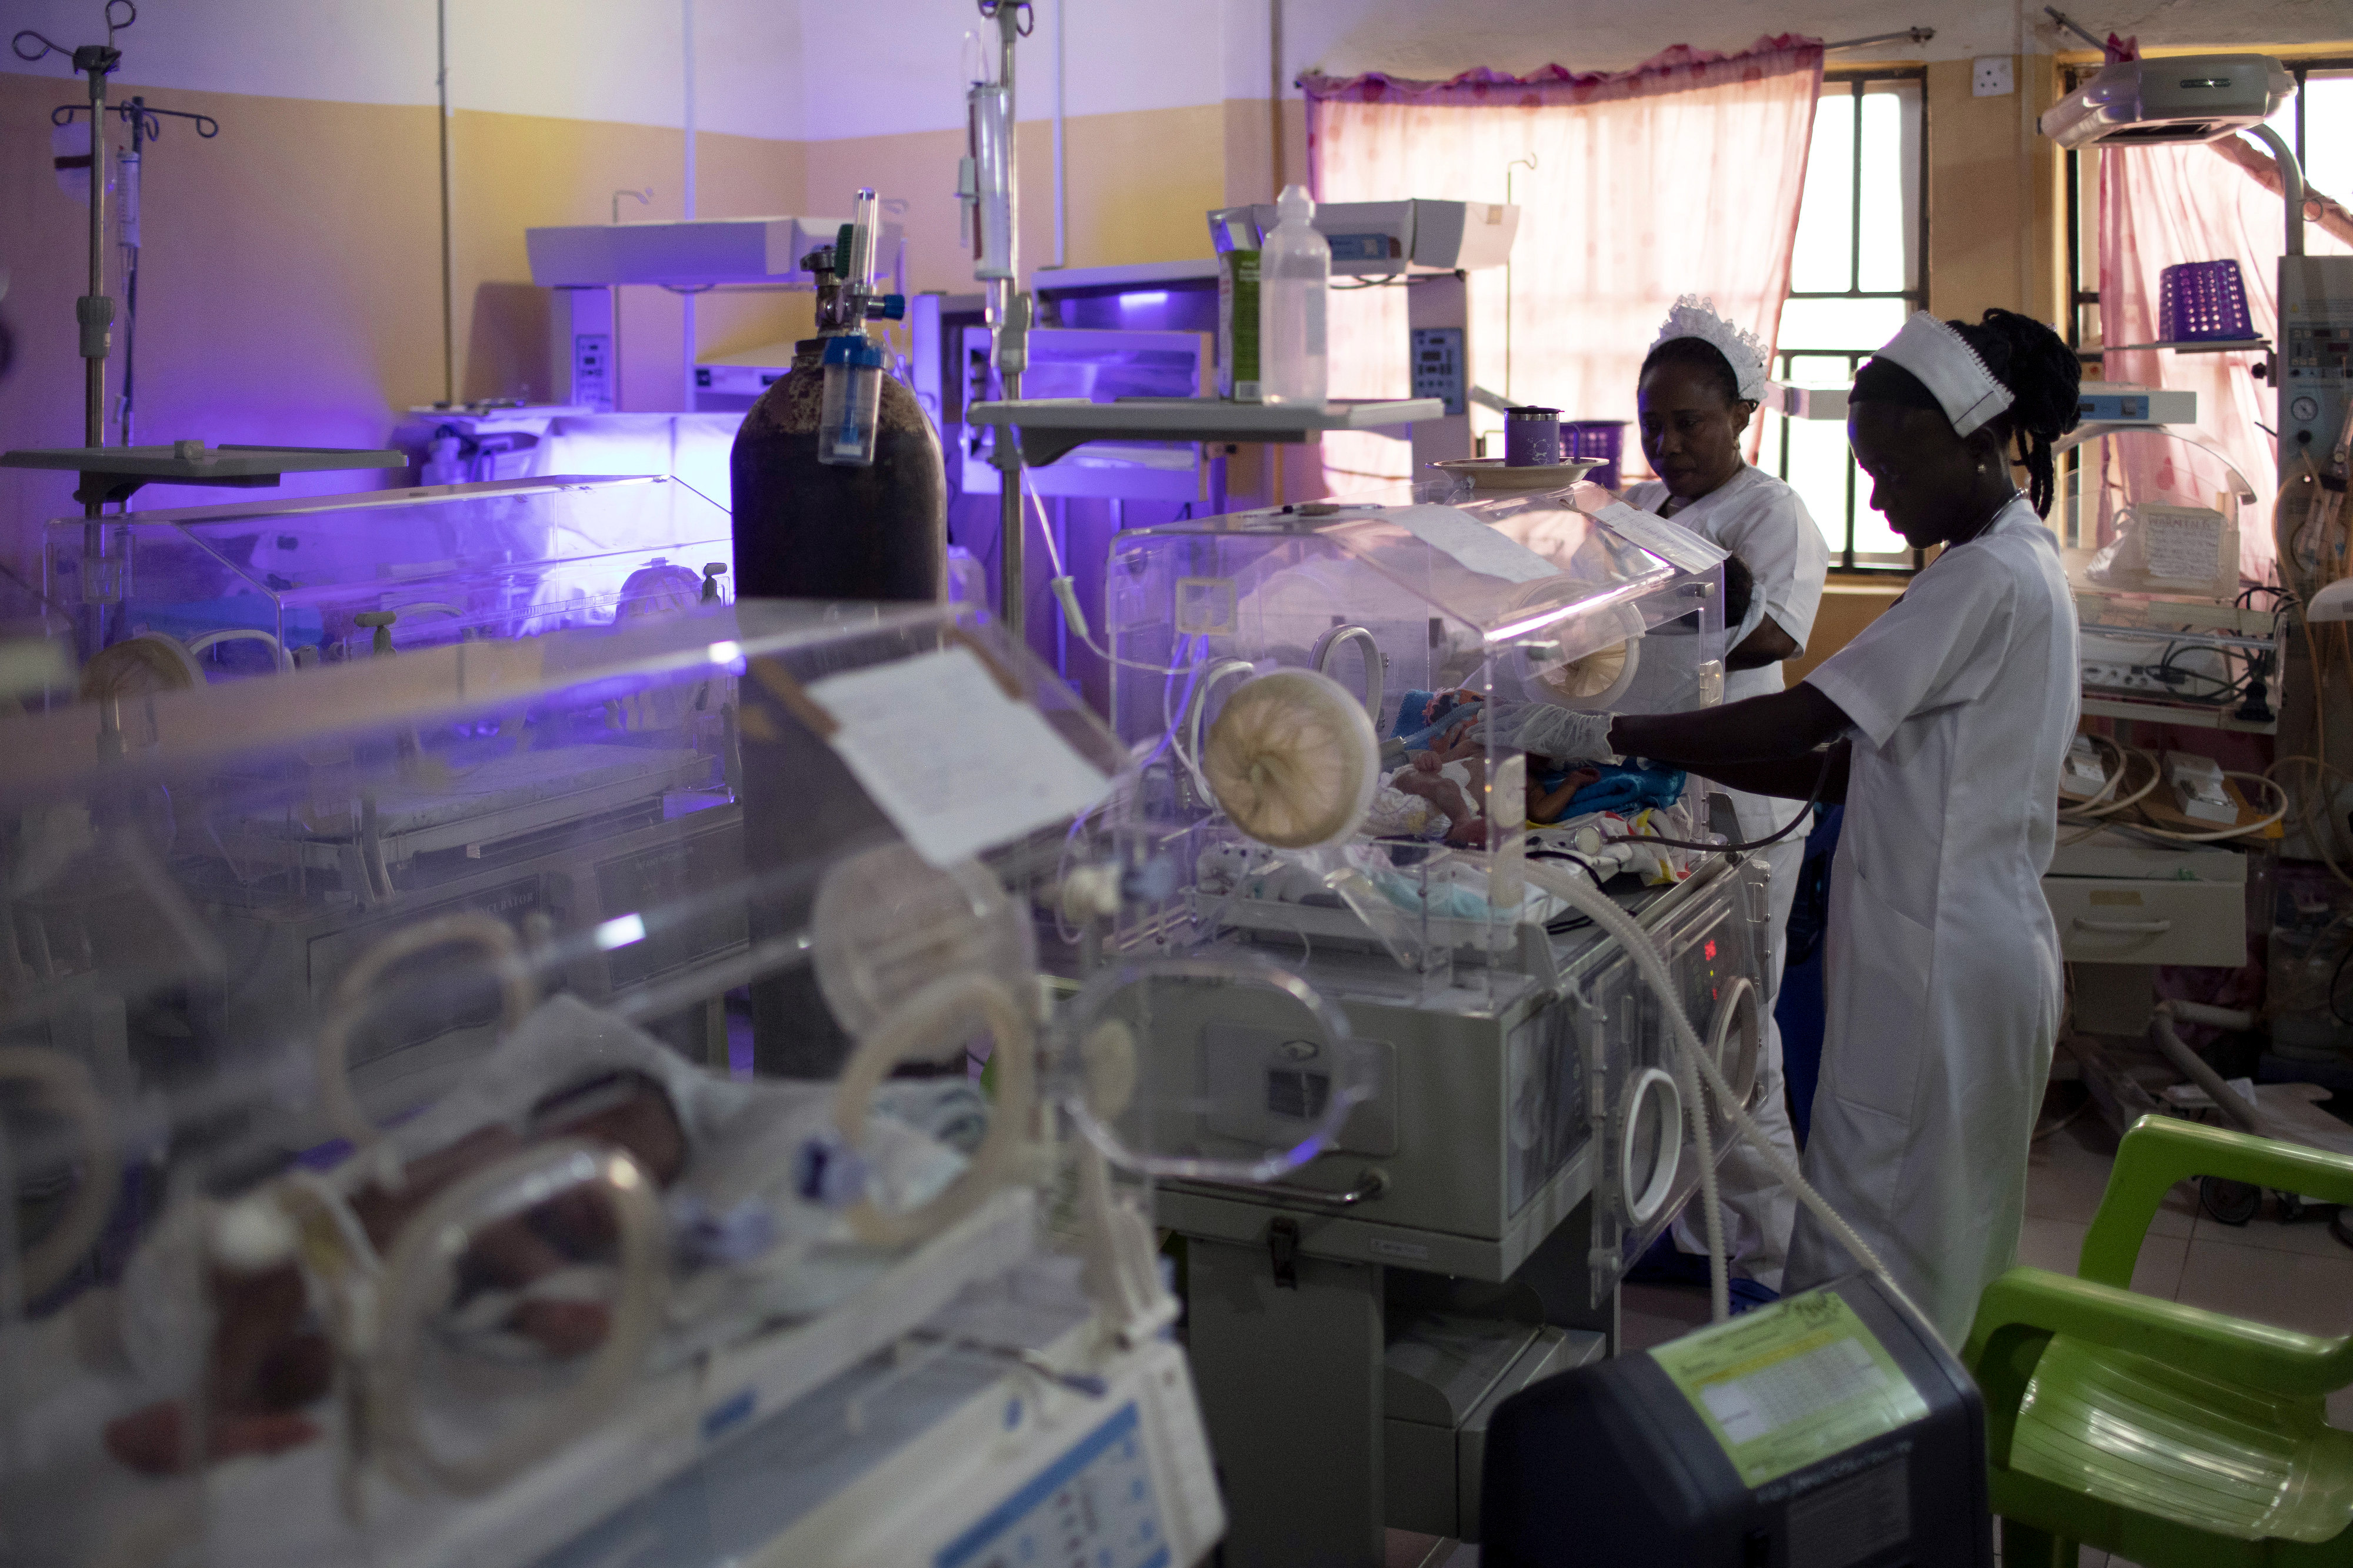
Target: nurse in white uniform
1700,385
1942,727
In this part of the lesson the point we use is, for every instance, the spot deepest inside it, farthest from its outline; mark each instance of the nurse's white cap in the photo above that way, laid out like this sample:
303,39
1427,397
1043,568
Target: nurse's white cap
1694,317
1943,362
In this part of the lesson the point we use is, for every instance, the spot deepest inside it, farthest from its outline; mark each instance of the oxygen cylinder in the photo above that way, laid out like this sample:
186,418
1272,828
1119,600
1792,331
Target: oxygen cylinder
809,530
837,528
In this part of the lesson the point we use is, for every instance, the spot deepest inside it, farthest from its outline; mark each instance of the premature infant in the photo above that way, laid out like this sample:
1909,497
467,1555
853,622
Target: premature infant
265,1363
753,1187
1452,777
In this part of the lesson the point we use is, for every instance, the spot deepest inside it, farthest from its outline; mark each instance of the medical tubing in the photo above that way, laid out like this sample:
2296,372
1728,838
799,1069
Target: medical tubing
416,1277
1821,781
278,656
1604,911
1068,598
2270,784
923,1023
2108,784
1638,942
2095,809
2177,1051
2305,822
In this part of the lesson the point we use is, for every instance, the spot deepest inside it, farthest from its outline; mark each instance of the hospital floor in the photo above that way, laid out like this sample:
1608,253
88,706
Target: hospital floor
2296,1276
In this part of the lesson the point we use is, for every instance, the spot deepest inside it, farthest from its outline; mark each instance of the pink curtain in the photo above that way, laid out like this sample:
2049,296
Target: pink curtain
2161,205
1683,175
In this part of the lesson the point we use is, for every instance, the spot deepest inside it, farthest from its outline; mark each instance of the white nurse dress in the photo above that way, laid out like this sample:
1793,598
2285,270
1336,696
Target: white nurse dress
1943,982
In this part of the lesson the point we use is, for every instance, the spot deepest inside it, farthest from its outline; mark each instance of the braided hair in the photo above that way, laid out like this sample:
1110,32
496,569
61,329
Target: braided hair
1701,356
2043,374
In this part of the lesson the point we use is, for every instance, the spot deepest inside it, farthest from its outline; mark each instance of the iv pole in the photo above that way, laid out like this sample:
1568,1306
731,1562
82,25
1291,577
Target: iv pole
145,126
1008,320
94,312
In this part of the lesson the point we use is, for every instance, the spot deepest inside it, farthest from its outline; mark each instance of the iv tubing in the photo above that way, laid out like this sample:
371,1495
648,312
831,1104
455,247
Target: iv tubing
1591,901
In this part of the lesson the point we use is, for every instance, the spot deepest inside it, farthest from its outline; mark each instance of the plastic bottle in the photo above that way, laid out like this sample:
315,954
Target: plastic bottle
1294,283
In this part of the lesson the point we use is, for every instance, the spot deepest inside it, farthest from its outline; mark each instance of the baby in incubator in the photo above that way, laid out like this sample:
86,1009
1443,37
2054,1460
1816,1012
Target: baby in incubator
1452,777
266,1365
753,1178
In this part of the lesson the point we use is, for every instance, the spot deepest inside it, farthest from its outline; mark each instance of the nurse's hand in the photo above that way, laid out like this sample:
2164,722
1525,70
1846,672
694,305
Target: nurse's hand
1566,734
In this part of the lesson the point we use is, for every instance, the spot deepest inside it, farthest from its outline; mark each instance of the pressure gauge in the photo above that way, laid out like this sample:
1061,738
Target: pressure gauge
2305,408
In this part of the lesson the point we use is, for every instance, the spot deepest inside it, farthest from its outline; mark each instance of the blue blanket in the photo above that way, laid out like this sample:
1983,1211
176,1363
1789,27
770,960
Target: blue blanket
1619,789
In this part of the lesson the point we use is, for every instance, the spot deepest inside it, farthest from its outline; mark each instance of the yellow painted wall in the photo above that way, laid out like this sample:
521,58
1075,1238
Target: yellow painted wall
290,280
512,172
292,271
1994,193
1138,185
1851,601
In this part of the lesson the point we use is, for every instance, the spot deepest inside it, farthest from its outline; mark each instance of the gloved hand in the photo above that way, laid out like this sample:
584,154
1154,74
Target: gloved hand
1566,734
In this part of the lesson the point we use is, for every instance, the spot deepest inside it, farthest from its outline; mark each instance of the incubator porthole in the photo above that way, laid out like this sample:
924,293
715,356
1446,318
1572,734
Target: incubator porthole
1650,1145
1735,1039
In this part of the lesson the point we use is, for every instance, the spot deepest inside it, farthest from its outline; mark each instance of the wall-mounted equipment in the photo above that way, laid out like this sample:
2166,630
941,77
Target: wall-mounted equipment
2176,98
690,254
1373,239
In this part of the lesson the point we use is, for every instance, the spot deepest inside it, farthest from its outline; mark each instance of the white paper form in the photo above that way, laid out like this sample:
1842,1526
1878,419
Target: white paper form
2180,545
1671,542
956,765
1472,542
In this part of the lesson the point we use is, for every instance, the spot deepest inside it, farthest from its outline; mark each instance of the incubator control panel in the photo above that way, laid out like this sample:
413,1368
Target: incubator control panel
1438,365
1092,1508
2315,360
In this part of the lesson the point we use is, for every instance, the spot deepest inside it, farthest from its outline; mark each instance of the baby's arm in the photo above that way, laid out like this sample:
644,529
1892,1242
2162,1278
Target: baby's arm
1545,805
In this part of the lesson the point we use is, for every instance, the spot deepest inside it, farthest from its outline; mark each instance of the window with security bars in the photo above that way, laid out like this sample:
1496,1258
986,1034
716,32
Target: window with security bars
1860,268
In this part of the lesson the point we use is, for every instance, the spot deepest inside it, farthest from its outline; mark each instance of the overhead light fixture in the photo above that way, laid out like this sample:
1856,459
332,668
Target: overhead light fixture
2170,98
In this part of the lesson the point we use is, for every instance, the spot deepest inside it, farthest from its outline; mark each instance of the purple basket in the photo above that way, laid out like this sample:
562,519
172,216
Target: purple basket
1595,439
2203,303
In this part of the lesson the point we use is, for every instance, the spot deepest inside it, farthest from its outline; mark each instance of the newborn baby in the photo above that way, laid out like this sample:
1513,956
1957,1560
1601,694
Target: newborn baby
265,1364
1452,777
754,1185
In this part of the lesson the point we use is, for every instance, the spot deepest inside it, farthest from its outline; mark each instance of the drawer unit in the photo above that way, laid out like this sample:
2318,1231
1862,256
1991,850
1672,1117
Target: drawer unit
2121,920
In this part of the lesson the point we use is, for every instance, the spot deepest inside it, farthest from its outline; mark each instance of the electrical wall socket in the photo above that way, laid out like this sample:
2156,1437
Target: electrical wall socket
1991,79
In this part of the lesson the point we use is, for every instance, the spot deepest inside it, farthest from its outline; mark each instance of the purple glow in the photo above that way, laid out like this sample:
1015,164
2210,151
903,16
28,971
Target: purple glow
1138,300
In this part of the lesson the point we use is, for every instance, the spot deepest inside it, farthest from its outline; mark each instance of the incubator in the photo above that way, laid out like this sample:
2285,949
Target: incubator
250,587
389,1177
1341,713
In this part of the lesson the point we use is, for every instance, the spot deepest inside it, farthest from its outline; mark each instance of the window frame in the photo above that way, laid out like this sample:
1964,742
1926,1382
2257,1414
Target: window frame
1857,80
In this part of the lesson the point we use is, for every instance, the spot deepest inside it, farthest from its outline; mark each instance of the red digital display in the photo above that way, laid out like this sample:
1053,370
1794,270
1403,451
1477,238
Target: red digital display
1709,951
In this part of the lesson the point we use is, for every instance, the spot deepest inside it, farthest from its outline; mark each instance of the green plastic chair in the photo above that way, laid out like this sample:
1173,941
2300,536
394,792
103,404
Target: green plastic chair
2168,1435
